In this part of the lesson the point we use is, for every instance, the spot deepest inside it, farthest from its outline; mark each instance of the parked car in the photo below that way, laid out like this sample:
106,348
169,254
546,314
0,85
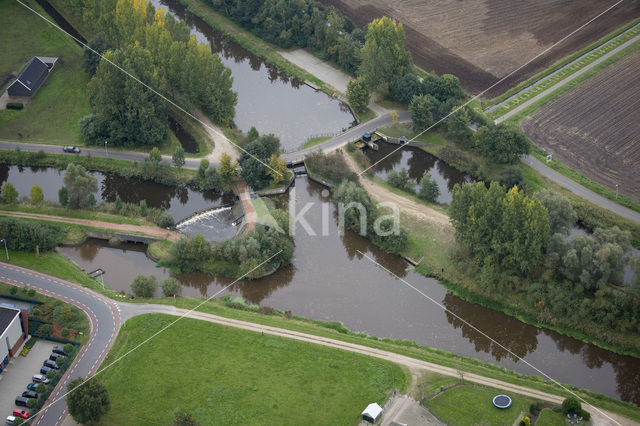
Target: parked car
21,401
39,378
20,413
30,394
53,357
10,420
50,364
71,149
32,386
58,350
45,370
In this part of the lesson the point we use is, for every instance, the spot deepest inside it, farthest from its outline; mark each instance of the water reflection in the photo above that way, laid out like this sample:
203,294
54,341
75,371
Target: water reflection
267,98
416,161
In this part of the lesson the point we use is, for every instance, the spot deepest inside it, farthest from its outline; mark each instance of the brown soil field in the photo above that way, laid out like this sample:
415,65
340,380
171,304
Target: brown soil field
482,41
595,127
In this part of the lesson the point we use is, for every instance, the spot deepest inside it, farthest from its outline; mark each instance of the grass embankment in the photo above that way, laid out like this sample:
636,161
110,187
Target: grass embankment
559,64
53,114
224,375
466,404
315,141
337,331
72,213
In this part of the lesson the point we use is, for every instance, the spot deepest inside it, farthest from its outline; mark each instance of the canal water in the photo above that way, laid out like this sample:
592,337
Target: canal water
330,279
416,161
267,98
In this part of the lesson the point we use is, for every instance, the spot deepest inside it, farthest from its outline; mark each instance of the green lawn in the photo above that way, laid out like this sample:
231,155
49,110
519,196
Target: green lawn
315,141
74,214
52,115
225,376
470,404
434,136
549,417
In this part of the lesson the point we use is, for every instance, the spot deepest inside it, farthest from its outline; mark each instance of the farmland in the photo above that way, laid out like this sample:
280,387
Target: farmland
594,128
481,41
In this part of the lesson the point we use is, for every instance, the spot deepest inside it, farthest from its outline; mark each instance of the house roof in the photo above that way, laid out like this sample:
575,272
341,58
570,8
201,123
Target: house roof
373,410
6,316
31,75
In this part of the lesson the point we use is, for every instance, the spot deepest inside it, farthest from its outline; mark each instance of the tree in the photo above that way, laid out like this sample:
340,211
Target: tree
253,160
228,168
253,134
351,198
571,406
511,176
91,56
401,180
384,56
165,220
9,193
204,165
182,418
171,287
428,190
394,116
405,88
36,194
178,157
144,286
277,169
458,127
79,185
89,402
358,95
562,217
634,262
144,210
155,156
63,196
501,143
421,110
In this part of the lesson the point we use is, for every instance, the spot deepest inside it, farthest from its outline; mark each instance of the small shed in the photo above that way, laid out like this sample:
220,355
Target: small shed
31,77
372,413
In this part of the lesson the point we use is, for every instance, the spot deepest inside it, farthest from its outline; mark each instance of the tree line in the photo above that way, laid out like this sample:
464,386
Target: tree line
158,50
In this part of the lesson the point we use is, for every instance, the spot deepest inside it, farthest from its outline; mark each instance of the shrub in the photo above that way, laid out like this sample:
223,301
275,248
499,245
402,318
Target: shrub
144,286
15,105
40,387
144,210
585,415
25,236
401,180
330,166
535,407
9,193
32,403
60,361
14,290
51,374
68,348
63,196
31,292
525,421
428,190
65,332
46,329
36,194
571,406
165,220
171,287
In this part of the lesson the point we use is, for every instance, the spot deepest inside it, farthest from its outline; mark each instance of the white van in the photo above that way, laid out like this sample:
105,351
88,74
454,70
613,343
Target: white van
10,420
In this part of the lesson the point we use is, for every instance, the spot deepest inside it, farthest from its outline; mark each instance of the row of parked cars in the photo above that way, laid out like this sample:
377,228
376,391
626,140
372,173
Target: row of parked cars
32,388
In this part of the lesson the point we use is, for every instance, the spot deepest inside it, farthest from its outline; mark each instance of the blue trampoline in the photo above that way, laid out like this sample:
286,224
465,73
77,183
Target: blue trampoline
502,401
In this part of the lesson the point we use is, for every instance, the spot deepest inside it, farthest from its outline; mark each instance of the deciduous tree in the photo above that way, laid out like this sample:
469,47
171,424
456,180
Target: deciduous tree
358,95
79,185
36,194
89,402
9,193
178,157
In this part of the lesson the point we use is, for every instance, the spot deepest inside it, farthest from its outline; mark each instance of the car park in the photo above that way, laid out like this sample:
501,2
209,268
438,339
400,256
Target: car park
30,394
58,350
50,364
39,378
71,149
45,370
20,413
21,401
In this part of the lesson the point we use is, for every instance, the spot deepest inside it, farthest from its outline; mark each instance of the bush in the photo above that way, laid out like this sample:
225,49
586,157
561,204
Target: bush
15,105
14,290
330,166
40,388
428,190
68,348
46,329
51,374
401,180
585,415
65,332
60,361
171,287
32,403
535,407
144,286
9,193
25,236
31,292
571,406
526,421
165,220
144,210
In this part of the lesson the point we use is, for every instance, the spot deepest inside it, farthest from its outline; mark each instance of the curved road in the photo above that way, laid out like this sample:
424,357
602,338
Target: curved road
107,315
104,321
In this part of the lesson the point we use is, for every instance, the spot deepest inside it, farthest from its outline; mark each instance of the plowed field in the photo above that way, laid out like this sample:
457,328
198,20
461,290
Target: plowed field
481,41
595,128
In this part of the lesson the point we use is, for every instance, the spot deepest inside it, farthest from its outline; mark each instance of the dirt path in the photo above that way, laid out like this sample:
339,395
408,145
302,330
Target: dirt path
220,142
250,215
599,417
381,194
153,231
319,68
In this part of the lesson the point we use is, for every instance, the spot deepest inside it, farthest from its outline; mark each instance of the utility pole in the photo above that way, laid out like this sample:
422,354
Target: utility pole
5,248
616,191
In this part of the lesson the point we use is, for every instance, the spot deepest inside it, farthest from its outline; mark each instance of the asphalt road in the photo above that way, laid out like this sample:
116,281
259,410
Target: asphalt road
105,322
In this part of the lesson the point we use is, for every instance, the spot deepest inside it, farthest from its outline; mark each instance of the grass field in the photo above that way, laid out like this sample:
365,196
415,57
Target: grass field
470,404
224,375
548,417
594,128
481,41
52,115
315,141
